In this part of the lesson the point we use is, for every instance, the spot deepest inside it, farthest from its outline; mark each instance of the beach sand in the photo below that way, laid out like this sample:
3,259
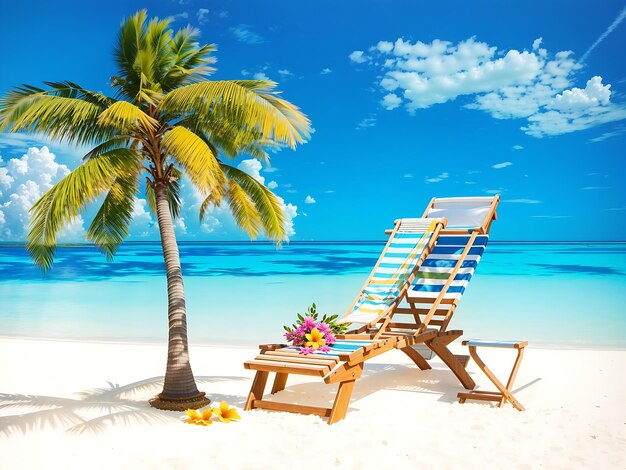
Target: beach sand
84,405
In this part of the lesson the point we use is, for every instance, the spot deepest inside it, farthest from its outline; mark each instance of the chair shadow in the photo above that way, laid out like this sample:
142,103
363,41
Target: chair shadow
95,410
376,377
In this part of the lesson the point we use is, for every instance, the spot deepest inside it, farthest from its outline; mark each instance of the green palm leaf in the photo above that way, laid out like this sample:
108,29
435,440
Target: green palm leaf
66,199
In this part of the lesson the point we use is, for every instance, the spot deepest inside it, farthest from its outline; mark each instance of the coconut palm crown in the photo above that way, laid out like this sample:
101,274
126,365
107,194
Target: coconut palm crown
165,121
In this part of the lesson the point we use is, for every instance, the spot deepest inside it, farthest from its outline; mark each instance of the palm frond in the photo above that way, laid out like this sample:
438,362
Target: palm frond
122,141
195,156
270,209
243,209
126,116
66,199
276,119
30,109
109,227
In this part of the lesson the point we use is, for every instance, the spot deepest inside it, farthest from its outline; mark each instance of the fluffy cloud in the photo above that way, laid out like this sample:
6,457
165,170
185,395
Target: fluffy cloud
497,166
285,72
518,147
366,122
244,33
438,178
272,185
529,84
260,76
358,57
22,182
203,15
309,200
253,168
326,71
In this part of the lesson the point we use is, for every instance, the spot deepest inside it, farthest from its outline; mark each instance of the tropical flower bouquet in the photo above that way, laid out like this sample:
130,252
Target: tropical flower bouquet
311,334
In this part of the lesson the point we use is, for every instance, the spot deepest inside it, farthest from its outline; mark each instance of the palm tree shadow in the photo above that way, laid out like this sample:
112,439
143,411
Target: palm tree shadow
95,410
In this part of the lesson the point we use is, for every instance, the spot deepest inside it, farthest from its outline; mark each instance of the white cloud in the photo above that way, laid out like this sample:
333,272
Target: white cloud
391,101
291,212
440,177
272,185
23,181
184,15
285,72
609,135
245,73
497,166
518,147
358,57
366,122
203,15
244,33
253,168
407,175
260,76
532,85
522,201
326,71
309,200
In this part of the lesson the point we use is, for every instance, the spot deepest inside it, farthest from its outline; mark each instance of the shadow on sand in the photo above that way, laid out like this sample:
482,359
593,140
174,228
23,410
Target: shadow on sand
95,410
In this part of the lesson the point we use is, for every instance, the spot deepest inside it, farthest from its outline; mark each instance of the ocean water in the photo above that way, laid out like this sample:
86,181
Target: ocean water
552,294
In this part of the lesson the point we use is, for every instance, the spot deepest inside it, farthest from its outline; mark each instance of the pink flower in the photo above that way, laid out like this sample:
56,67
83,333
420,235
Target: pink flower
309,323
305,350
330,338
325,348
323,328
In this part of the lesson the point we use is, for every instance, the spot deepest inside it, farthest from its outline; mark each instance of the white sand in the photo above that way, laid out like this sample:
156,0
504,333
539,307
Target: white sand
83,405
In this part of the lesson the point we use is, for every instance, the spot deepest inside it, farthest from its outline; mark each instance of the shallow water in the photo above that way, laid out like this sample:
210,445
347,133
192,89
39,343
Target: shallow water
559,294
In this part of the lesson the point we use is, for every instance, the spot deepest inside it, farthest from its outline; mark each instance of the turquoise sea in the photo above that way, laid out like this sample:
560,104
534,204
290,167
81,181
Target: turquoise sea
553,294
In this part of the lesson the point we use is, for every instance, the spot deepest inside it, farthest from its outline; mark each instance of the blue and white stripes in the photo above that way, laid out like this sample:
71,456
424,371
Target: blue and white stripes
438,266
393,270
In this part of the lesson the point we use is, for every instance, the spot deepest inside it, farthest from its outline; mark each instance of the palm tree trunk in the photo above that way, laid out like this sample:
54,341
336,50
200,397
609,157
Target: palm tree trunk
179,389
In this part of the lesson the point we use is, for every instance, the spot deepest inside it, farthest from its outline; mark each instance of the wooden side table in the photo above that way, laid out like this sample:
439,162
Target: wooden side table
503,394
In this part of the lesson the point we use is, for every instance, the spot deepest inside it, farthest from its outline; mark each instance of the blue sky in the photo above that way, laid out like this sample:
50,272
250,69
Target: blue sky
409,100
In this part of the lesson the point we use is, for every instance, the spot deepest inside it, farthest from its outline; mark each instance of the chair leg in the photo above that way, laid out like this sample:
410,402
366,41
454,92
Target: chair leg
279,382
416,357
258,387
342,400
440,348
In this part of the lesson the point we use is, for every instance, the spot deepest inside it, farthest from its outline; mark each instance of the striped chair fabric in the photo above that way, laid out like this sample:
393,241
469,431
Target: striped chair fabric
393,270
440,263
341,346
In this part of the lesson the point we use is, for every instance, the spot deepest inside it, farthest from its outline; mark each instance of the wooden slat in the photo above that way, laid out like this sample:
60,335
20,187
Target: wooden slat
294,360
476,396
420,311
307,410
463,359
290,354
287,368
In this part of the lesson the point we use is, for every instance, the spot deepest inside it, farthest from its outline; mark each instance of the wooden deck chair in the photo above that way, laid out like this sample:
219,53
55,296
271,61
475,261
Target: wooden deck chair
409,244
440,282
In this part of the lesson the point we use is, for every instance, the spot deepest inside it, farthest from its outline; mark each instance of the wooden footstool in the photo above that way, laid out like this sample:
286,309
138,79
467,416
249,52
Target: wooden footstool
504,394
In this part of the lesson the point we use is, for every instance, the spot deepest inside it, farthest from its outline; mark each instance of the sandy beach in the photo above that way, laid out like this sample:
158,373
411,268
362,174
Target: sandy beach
84,405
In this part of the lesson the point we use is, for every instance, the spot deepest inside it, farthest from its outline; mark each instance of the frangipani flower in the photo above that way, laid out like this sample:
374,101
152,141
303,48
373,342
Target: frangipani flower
315,339
225,413
202,419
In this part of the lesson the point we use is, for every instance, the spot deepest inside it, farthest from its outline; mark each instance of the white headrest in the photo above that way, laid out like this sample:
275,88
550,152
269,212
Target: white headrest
462,211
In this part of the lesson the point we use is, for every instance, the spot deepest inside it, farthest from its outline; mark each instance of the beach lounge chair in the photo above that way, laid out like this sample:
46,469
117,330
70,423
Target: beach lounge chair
410,242
426,307
440,283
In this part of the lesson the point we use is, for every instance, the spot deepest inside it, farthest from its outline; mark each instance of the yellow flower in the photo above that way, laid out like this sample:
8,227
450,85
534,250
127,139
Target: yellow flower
226,414
203,419
315,339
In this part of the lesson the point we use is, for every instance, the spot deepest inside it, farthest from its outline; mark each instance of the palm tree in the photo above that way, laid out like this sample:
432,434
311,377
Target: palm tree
165,121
